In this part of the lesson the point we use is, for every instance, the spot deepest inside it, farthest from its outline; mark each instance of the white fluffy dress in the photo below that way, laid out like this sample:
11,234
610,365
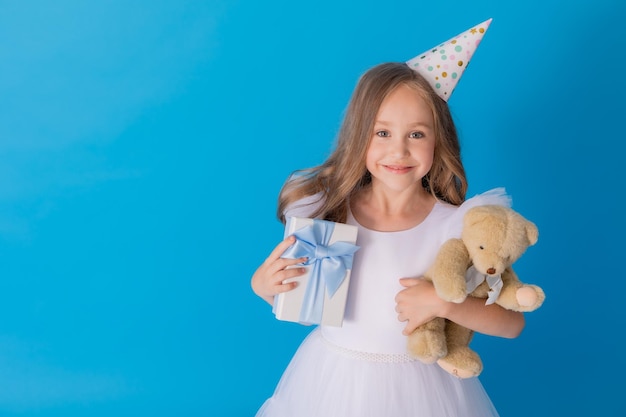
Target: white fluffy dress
362,369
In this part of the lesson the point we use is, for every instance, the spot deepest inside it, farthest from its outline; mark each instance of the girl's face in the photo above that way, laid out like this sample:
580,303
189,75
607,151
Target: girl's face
401,150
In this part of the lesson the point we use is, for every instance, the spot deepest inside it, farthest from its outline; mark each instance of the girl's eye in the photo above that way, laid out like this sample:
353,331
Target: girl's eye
416,135
382,133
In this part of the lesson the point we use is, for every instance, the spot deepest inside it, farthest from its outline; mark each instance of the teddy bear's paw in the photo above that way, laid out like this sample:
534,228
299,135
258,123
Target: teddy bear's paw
427,346
530,297
459,372
451,293
458,300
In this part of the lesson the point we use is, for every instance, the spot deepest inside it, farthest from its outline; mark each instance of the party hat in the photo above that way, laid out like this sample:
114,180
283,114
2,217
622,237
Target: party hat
443,65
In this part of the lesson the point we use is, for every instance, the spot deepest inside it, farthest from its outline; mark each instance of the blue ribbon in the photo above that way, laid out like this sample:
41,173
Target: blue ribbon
329,265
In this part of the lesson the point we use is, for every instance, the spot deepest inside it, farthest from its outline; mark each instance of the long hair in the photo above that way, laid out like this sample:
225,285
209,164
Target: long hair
344,174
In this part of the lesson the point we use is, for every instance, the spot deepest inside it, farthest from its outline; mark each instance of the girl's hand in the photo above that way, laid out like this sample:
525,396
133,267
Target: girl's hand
267,280
417,303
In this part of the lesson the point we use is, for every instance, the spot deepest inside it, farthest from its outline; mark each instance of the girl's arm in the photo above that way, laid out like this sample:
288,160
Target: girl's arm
418,303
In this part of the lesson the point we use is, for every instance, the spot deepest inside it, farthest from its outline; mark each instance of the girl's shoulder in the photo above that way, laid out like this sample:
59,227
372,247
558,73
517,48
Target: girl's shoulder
304,207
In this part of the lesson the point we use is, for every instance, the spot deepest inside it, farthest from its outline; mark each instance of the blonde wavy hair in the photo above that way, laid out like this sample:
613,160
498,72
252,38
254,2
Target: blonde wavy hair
344,174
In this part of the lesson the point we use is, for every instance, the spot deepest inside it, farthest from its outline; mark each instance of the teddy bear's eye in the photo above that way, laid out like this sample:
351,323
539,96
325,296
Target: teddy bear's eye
481,247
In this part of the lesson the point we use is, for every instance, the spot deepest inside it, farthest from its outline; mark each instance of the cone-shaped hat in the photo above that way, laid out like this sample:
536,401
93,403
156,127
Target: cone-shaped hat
444,65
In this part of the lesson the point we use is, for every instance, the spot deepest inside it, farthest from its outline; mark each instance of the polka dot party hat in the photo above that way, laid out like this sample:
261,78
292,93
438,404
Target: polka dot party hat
443,65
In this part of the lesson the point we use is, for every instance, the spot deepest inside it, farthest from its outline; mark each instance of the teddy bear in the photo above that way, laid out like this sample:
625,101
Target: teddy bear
479,264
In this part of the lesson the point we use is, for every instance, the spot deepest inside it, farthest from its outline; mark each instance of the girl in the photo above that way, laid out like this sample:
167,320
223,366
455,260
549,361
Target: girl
396,174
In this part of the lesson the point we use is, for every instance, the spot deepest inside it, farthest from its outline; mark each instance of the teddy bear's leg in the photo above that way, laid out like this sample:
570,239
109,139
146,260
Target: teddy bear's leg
530,297
428,343
518,296
461,361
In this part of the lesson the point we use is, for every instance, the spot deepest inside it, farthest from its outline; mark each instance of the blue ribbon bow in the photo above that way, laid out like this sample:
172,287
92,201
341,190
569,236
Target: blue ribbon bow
329,265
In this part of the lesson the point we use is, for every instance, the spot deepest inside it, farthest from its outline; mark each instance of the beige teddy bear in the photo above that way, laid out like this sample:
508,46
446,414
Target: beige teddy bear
478,264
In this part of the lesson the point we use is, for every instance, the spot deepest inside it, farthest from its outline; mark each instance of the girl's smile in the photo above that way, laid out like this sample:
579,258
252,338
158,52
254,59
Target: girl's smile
398,169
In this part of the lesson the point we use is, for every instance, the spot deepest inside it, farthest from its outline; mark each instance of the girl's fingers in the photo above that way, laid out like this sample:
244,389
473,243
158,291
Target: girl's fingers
280,248
408,329
409,282
284,263
286,287
275,270
288,273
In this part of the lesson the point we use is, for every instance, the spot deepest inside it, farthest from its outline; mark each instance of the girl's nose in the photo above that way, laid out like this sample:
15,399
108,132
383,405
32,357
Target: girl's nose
400,147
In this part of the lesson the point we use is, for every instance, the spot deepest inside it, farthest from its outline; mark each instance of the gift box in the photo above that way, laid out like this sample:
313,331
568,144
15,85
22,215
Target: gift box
321,294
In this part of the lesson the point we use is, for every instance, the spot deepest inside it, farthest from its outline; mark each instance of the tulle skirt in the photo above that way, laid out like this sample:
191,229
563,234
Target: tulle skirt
324,380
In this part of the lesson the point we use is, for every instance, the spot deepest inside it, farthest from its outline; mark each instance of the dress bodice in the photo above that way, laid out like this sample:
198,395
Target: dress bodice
370,322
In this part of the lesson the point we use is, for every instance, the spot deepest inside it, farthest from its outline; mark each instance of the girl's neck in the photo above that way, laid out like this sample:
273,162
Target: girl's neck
388,211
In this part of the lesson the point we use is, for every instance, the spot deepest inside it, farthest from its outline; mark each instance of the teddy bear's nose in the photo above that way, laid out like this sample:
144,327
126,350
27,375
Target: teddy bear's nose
491,271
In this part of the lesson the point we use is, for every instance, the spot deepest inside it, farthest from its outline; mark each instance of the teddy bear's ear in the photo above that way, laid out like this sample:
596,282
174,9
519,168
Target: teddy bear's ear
475,215
532,232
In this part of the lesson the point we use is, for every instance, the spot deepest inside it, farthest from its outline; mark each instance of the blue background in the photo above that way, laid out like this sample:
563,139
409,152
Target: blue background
143,144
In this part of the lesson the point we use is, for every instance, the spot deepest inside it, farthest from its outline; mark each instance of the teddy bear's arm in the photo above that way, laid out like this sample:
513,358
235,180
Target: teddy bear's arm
448,271
517,296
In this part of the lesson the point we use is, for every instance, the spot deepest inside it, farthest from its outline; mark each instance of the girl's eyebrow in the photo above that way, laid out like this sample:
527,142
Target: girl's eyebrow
414,124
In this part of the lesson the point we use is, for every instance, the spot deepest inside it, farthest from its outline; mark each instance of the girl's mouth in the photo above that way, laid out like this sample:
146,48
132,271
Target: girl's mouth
397,169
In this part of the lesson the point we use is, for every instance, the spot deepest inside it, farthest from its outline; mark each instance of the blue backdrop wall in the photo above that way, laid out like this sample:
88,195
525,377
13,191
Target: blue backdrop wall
143,144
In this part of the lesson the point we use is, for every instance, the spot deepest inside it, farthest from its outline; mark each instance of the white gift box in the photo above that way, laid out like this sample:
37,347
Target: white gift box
289,306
